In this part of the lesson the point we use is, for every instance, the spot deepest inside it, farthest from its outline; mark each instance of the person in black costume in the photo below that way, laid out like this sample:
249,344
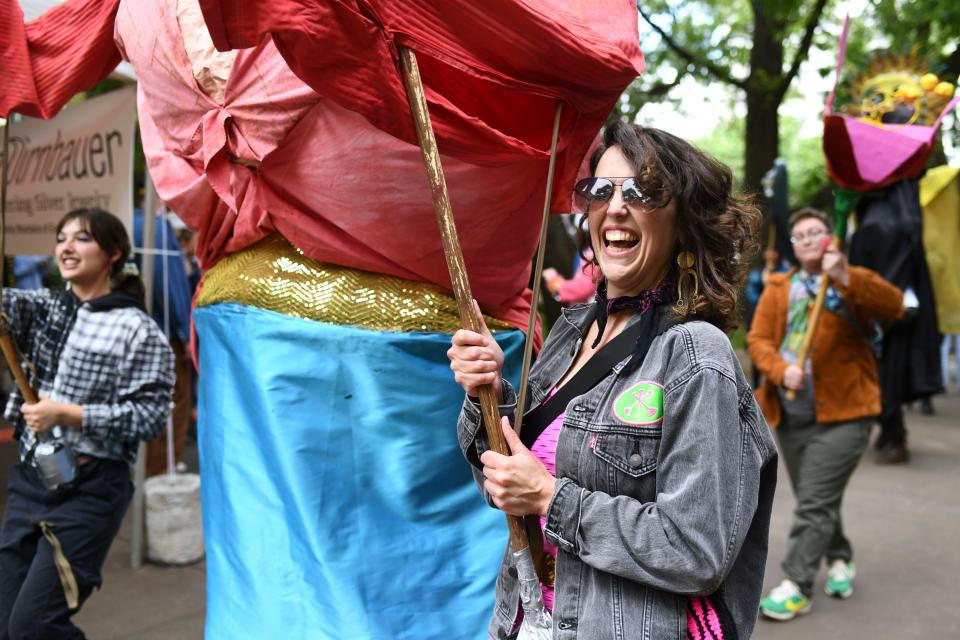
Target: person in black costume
889,240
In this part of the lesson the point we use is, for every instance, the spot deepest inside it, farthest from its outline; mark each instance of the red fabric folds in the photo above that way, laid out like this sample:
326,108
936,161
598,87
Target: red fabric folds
312,137
44,63
493,71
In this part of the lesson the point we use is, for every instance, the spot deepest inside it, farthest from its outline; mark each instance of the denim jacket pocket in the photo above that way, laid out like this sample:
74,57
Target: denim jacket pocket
635,454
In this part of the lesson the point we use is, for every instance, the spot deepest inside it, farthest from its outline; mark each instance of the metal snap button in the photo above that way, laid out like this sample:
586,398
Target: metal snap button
636,461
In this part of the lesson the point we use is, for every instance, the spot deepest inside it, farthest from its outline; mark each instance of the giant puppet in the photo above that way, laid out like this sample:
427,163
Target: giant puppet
336,504
877,146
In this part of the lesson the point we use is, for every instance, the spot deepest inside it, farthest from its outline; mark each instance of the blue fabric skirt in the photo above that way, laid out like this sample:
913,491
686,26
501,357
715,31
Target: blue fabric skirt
336,502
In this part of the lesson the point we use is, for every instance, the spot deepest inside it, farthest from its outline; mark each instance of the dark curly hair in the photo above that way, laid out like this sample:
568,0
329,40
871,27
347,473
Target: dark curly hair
719,227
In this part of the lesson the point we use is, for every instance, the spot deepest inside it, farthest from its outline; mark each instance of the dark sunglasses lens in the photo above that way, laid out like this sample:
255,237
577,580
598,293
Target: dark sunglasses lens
591,190
632,193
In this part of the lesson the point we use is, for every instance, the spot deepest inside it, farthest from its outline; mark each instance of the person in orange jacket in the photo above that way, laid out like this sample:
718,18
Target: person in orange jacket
825,428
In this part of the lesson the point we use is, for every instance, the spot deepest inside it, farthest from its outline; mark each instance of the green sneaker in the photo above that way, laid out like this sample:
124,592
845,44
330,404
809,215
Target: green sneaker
785,602
840,577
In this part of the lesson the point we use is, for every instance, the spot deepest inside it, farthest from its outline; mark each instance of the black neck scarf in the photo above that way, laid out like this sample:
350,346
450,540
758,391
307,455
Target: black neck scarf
642,302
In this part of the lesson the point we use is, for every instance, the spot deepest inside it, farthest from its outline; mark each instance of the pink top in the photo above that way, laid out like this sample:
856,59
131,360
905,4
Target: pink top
544,449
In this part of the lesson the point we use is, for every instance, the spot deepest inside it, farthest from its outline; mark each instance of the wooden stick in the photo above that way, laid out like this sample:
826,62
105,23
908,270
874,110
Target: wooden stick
812,323
451,250
537,271
12,356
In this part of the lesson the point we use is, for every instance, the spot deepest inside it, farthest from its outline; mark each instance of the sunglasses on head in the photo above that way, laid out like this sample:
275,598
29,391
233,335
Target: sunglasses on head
590,192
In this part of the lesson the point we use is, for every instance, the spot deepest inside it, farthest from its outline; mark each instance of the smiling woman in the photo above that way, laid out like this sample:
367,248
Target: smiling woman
685,201
626,469
632,240
92,252
104,374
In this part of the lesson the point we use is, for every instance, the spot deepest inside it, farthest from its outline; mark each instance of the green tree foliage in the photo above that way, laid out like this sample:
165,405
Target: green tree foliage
756,47
808,177
931,25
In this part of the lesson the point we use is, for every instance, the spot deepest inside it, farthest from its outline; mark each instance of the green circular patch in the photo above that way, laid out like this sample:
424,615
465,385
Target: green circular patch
640,404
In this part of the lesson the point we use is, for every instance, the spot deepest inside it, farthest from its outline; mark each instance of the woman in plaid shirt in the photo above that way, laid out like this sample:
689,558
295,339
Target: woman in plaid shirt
104,373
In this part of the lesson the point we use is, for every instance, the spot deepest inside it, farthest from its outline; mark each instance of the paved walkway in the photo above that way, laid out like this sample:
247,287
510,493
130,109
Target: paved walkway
904,522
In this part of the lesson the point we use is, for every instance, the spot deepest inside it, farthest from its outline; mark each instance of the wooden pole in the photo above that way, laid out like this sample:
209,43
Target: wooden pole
537,271
12,356
451,250
812,322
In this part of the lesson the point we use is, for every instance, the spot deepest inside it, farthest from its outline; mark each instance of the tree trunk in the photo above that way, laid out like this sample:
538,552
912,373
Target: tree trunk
766,72
762,140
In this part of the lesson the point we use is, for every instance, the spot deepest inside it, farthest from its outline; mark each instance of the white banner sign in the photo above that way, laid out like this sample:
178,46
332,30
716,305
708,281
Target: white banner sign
81,159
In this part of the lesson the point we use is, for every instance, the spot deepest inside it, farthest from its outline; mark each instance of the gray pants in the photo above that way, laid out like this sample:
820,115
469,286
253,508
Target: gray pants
820,459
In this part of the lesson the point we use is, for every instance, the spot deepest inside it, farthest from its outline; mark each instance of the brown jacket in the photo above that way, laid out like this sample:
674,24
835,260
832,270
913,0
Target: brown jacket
845,385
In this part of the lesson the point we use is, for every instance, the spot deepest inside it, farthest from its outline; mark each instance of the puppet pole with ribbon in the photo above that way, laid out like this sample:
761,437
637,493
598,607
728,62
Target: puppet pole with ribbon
537,622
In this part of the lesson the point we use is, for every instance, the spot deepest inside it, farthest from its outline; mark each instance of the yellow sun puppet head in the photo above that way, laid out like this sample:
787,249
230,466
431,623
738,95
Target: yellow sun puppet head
898,90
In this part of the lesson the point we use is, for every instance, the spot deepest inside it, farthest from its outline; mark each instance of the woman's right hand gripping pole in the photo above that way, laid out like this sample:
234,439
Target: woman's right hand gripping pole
475,358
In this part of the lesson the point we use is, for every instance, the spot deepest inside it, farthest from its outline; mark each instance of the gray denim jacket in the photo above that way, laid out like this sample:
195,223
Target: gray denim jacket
666,481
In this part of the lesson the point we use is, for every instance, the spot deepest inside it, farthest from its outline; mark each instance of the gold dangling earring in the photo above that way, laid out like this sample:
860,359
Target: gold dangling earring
686,299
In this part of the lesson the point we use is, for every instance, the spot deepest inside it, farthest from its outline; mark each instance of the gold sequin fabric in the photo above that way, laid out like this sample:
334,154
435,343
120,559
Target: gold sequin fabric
274,275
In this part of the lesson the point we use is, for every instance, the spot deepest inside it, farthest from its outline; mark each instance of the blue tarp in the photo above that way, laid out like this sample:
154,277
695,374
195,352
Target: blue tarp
336,502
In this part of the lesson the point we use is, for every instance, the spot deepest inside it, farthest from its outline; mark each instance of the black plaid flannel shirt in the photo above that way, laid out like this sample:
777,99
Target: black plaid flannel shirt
116,364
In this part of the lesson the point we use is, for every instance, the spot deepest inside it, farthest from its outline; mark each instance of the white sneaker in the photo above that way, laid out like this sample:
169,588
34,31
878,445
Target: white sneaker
840,577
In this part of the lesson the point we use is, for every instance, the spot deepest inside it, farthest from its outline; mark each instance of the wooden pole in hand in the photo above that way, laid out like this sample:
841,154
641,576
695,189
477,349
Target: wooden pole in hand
812,321
12,356
489,405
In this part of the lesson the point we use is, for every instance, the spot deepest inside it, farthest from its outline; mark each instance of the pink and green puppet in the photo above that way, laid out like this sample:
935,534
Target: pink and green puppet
877,147
886,132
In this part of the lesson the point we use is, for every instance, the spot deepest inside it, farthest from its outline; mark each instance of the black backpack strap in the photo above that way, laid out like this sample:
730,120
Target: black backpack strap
636,338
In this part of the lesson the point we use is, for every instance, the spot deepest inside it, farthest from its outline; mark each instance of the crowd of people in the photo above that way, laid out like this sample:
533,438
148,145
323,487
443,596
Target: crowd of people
637,399
625,476
340,433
